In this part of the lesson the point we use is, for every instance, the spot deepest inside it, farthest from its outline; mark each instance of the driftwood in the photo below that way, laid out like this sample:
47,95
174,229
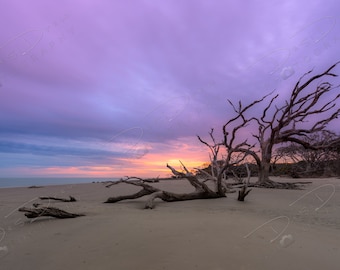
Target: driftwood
279,185
47,212
147,189
202,191
71,199
131,181
244,191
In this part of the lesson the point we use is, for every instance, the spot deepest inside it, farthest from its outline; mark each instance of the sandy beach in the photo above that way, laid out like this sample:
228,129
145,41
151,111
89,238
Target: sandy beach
272,229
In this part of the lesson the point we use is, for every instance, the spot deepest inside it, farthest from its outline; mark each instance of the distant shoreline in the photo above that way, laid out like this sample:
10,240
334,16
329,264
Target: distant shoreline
7,182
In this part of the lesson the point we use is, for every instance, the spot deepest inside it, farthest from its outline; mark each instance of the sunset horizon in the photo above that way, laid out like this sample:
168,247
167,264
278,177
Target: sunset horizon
114,89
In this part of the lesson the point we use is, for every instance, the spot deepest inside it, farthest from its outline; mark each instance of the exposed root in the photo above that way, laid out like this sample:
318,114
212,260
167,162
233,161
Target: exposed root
242,193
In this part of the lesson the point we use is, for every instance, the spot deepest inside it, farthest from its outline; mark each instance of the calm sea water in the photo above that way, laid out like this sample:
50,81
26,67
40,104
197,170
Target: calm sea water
26,182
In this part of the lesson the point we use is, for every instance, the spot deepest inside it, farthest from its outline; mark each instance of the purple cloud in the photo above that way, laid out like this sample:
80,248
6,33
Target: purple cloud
145,71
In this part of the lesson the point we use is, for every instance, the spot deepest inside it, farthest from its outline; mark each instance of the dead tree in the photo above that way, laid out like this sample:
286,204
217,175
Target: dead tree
202,191
304,113
277,124
201,188
221,163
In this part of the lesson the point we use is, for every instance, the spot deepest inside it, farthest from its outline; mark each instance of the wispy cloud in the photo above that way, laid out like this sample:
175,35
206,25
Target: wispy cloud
101,83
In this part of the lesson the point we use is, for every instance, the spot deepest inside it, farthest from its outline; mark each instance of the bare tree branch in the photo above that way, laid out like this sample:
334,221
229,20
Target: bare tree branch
309,109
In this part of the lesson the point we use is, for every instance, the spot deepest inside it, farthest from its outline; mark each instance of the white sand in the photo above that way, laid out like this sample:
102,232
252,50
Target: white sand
201,234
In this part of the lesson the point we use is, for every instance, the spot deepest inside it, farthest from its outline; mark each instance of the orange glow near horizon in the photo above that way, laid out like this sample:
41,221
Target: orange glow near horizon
149,165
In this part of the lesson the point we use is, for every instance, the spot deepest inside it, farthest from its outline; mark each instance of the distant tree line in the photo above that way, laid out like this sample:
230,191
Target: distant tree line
294,160
320,162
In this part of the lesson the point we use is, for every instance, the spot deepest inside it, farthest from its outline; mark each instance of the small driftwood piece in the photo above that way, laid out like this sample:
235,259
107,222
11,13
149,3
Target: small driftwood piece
35,187
71,199
47,212
244,191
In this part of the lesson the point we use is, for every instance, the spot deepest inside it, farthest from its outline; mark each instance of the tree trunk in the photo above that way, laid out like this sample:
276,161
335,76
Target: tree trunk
264,171
244,191
264,167
221,190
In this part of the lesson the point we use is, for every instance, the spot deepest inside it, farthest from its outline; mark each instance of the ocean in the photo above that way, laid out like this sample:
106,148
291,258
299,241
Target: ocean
27,182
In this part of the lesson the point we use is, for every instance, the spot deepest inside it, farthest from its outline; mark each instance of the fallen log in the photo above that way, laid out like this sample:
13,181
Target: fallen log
202,191
71,199
47,212
173,197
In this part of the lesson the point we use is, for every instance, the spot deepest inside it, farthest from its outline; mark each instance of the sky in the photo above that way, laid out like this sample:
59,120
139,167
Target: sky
115,88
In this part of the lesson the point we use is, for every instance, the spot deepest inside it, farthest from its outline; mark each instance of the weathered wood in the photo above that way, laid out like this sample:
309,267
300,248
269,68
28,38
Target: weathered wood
202,191
199,186
279,185
71,199
47,212
132,180
136,181
173,197
242,193
137,195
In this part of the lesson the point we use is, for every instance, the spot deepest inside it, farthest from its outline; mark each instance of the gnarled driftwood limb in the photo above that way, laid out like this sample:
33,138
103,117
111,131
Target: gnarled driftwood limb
173,197
202,191
136,181
47,212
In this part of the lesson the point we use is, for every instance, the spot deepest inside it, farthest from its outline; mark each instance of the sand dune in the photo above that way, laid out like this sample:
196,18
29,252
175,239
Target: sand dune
273,229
